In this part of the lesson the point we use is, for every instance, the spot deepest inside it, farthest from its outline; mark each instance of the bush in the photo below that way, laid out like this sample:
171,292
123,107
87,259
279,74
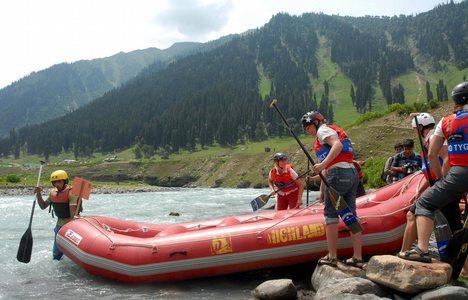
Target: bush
372,170
433,104
13,178
369,116
394,107
420,106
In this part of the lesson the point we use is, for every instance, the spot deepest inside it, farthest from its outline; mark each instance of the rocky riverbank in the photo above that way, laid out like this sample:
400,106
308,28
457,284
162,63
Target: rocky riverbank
27,190
385,277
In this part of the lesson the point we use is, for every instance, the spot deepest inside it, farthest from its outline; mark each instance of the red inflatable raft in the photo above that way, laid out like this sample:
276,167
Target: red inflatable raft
140,252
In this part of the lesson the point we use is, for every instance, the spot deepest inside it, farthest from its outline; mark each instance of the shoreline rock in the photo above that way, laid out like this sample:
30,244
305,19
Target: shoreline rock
27,191
407,276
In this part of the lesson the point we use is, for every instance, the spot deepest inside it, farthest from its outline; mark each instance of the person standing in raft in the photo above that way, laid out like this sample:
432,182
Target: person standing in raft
61,202
451,211
454,129
335,157
281,175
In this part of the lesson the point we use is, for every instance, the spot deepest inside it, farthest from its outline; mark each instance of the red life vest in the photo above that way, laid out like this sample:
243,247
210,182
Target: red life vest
60,202
455,129
346,154
283,179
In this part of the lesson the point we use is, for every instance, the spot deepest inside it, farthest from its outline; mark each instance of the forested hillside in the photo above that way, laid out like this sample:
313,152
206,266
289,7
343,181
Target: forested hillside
339,65
63,88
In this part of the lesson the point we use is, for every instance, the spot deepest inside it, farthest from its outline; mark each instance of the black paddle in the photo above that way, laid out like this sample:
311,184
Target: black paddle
261,200
337,200
307,184
457,249
442,231
26,243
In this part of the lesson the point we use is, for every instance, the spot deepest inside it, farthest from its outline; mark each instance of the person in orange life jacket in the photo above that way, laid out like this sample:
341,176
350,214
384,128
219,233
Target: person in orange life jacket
335,157
63,203
454,129
451,211
281,175
360,188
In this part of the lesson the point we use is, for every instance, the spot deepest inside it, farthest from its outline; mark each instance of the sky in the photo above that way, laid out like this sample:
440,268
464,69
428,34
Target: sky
38,34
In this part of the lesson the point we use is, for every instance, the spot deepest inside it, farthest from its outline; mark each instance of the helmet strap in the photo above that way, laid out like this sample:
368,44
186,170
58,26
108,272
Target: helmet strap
316,124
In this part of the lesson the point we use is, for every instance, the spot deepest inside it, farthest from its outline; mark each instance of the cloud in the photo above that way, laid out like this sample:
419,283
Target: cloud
194,19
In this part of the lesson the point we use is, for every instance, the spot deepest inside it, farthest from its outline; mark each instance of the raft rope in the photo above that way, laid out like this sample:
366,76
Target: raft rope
113,244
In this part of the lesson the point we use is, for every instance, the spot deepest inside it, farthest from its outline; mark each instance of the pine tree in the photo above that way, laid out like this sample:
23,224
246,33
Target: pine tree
353,95
326,88
331,114
429,95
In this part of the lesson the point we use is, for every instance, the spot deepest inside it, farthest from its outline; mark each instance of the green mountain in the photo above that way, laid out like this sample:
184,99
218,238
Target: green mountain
342,66
64,87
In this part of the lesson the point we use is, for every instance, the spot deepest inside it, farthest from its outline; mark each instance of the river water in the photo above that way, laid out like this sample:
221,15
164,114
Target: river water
45,278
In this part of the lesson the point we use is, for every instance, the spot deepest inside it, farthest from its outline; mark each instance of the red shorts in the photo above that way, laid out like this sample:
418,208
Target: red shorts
287,202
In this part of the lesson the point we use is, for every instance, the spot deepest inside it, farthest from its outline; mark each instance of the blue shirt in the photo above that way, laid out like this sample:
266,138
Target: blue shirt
411,164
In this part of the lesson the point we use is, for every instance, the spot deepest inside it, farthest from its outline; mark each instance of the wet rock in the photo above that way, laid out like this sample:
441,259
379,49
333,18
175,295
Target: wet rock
323,273
447,292
353,271
407,276
217,183
305,295
260,185
276,289
175,214
352,285
244,184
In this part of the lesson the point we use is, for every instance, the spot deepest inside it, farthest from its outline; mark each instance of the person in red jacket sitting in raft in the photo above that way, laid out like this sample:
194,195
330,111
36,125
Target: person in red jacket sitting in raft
281,175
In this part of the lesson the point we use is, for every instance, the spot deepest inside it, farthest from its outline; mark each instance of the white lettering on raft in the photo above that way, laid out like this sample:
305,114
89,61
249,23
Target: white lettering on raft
73,236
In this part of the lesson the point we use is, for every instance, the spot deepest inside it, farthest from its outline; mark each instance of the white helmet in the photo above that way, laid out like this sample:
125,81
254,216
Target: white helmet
424,119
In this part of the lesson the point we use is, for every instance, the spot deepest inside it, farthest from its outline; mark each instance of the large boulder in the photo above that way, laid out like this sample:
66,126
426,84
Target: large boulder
323,273
446,292
276,289
352,285
407,276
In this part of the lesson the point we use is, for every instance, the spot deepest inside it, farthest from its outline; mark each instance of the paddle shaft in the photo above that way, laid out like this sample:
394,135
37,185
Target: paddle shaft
77,211
34,202
307,184
423,150
299,142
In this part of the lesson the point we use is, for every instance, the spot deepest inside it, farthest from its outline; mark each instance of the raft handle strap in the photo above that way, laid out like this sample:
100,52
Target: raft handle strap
183,252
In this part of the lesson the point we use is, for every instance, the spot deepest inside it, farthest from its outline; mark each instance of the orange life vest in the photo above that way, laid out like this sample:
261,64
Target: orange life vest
283,179
60,202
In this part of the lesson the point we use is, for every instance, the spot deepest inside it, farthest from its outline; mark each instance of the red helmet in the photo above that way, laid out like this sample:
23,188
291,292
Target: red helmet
309,118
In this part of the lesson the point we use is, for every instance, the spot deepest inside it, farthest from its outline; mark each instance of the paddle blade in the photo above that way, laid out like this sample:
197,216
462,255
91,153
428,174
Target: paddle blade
442,232
259,202
81,188
456,252
25,247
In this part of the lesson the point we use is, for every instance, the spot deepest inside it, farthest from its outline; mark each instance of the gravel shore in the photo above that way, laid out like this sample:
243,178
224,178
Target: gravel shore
25,190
